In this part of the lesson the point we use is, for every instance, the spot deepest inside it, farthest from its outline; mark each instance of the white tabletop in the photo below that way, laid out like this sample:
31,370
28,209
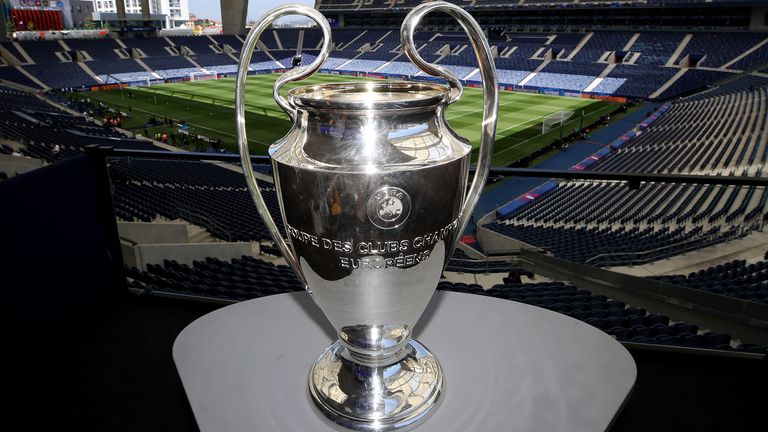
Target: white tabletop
508,366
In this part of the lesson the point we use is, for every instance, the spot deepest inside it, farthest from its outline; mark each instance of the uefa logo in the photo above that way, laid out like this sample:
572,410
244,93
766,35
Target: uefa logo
389,207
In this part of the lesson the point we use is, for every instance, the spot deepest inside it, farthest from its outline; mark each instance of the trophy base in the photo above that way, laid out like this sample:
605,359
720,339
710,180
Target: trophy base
397,396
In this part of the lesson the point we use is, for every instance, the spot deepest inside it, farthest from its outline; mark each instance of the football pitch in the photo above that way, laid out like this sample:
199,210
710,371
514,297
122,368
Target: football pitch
208,108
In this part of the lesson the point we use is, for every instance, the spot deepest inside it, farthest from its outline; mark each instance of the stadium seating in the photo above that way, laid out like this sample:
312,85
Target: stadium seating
734,278
693,136
240,279
580,57
38,126
248,277
610,224
61,75
12,74
207,195
615,317
100,50
719,50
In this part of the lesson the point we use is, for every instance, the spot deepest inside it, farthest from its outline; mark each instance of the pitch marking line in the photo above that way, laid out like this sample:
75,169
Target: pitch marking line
523,142
198,126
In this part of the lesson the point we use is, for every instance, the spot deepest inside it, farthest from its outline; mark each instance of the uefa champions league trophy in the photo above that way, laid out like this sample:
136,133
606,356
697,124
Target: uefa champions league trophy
371,182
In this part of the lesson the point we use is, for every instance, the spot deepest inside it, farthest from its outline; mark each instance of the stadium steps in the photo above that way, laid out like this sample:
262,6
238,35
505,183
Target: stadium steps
88,70
344,46
232,56
265,49
197,65
631,42
749,247
668,84
32,77
148,69
675,54
745,53
341,66
578,47
198,234
601,77
471,74
533,74
8,57
300,42
64,45
20,49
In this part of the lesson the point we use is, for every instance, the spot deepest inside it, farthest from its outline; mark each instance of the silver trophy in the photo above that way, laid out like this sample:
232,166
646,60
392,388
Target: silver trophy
371,182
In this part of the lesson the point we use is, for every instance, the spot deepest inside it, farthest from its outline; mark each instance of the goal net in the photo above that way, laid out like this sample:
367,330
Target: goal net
202,76
555,120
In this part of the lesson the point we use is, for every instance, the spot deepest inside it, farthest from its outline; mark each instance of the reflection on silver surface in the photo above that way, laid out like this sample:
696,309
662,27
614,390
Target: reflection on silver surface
371,182
381,398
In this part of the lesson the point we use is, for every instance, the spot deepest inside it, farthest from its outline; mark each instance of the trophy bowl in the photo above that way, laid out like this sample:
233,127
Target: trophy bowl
372,187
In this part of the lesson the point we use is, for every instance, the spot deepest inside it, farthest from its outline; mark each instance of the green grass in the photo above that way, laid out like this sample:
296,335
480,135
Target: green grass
208,107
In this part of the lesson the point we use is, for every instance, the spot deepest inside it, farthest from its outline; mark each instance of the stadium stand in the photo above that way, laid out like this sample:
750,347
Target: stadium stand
713,132
13,75
564,61
38,126
248,277
714,122
205,194
615,317
609,224
733,278
238,280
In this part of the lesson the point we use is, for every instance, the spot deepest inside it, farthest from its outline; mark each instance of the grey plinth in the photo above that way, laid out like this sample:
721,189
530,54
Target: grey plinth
508,366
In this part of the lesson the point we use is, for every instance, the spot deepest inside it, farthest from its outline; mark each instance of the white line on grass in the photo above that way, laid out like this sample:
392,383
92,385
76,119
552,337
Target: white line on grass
477,111
558,108
525,141
199,126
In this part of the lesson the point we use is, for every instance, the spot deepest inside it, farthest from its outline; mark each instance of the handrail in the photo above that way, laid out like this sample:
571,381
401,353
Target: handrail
462,264
132,243
195,216
631,177
726,236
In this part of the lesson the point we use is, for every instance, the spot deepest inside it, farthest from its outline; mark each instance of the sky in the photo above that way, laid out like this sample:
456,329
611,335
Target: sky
256,8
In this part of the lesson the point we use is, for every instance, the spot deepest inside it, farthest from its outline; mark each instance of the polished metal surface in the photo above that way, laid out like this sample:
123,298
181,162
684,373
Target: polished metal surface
376,398
371,182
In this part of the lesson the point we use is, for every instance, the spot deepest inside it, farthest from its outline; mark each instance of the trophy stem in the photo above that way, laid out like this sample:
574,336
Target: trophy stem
375,361
399,395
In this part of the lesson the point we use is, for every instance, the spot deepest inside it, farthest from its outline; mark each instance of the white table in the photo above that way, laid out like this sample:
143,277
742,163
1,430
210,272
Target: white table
508,366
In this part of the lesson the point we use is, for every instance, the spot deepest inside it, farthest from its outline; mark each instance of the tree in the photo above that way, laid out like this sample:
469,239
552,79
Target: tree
31,26
88,23
10,27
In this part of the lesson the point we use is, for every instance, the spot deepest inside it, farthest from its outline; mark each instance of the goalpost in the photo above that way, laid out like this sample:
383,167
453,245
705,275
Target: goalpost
202,76
555,120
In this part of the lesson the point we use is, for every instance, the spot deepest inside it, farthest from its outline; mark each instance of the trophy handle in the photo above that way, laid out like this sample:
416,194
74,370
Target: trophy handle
293,75
490,90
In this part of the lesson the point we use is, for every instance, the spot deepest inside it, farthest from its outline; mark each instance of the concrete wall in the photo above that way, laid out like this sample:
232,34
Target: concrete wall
472,253
233,14
743,319
494,243
140,255
13,165
759,20
153,233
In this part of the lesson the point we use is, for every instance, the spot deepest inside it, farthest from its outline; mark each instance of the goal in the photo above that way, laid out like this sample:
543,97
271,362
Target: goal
202,76
555,120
